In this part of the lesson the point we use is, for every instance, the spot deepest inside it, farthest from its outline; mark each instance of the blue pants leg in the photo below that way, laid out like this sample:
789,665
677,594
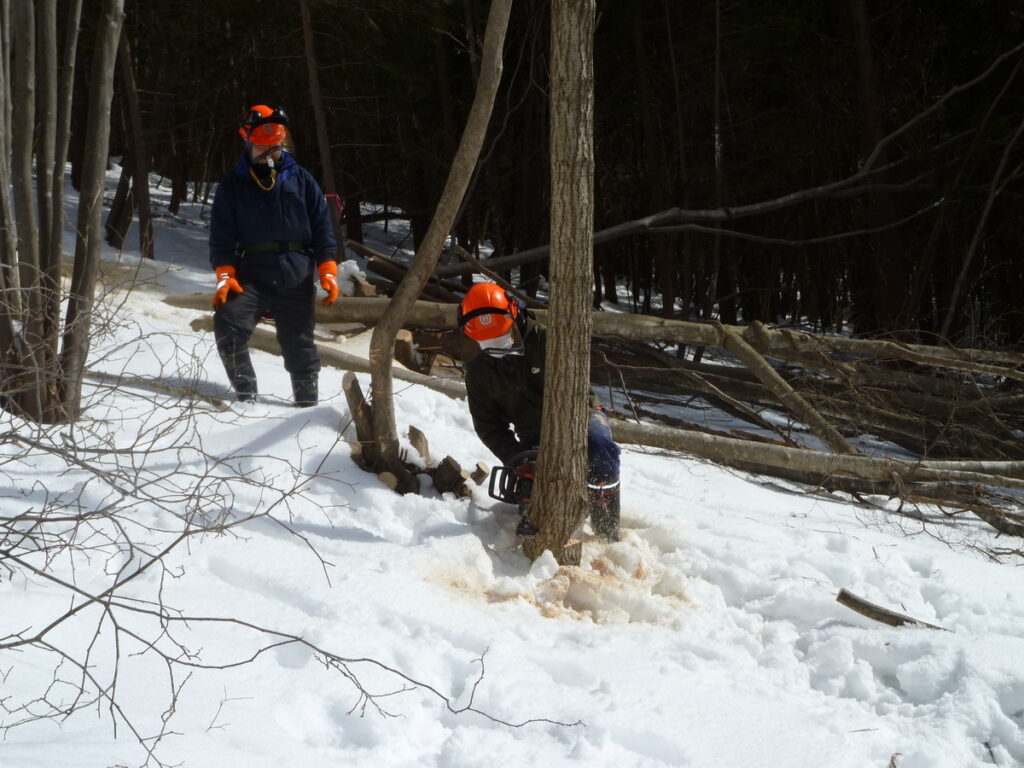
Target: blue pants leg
602,452
603,478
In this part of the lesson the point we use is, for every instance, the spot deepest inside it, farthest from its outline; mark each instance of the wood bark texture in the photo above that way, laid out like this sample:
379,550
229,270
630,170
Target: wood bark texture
559,502
87,246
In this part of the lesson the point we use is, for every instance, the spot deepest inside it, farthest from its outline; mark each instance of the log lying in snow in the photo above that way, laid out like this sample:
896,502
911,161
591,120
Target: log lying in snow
265,338
878,613
753,457
782,344
728,450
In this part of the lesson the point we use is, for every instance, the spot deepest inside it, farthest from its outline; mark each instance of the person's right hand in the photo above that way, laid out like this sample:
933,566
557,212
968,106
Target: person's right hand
226,285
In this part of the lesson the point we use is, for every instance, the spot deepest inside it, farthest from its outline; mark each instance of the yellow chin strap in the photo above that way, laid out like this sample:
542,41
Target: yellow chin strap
273,179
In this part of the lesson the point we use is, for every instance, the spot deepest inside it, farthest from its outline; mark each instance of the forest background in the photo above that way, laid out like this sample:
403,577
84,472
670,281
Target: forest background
698,105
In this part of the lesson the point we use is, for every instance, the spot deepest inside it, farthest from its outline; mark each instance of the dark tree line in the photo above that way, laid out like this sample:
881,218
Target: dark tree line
698,105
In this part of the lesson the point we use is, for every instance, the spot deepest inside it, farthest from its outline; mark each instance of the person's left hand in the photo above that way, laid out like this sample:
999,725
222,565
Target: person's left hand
329,280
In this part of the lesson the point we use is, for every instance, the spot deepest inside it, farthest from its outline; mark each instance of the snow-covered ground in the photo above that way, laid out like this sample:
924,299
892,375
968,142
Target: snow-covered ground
708,637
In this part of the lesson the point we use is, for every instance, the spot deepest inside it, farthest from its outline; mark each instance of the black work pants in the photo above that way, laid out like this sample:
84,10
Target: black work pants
295,317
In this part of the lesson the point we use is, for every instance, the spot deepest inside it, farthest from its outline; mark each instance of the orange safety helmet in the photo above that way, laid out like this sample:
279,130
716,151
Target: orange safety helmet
487,311
264,126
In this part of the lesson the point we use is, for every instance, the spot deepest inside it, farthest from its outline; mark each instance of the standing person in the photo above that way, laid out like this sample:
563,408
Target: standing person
505,390
270,226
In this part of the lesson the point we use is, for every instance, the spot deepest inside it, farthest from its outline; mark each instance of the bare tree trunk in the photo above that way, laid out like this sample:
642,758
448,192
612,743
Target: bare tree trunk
888,275
119,217
8,247
46,24
87,249
139,155
5,67
23,66
428,252
50,259
323,144
712,270
655,172
30,388
559,500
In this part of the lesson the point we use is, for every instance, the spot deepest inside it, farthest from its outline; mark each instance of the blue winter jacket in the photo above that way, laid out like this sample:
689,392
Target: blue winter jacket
292,212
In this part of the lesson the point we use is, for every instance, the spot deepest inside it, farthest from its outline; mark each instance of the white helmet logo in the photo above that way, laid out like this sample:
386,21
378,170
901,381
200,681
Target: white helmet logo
485,320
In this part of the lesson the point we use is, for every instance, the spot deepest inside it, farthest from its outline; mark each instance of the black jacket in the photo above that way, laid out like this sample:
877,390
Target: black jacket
508,390
292,211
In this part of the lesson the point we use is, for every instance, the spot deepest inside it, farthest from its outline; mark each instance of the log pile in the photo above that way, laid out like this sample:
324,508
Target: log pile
958,412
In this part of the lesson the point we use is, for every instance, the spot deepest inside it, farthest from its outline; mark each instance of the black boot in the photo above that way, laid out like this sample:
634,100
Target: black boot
604,509
306,392
238,366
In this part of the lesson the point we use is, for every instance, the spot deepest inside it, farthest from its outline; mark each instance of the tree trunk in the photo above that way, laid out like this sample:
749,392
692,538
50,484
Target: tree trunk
323,143
655,172
383,339
23,66
559,502
31,388
889,271
51,260
8,247
87,248
139,154
46,77
119,217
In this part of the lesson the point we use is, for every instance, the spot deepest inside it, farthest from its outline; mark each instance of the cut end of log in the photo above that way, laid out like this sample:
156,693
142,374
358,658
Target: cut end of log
480,473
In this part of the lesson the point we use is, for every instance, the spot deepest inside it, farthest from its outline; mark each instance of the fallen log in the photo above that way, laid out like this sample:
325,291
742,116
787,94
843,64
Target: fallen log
265,338
782,344
395,271
727,450
788,396
880,614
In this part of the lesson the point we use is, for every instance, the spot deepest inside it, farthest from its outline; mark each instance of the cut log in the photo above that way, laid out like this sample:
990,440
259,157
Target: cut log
419,442
878,613
362,417
480,473
449,477
405,351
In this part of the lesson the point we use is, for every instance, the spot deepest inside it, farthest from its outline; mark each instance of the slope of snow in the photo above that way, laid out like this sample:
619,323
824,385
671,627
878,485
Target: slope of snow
709,636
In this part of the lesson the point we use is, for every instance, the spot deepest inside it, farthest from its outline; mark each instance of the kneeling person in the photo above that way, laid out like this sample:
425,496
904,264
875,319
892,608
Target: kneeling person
505,390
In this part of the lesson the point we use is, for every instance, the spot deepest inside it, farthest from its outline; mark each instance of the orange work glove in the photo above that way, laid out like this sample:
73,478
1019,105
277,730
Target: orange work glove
226,285
329,280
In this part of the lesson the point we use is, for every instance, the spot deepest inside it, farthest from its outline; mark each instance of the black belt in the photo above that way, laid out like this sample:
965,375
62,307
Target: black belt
279,246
